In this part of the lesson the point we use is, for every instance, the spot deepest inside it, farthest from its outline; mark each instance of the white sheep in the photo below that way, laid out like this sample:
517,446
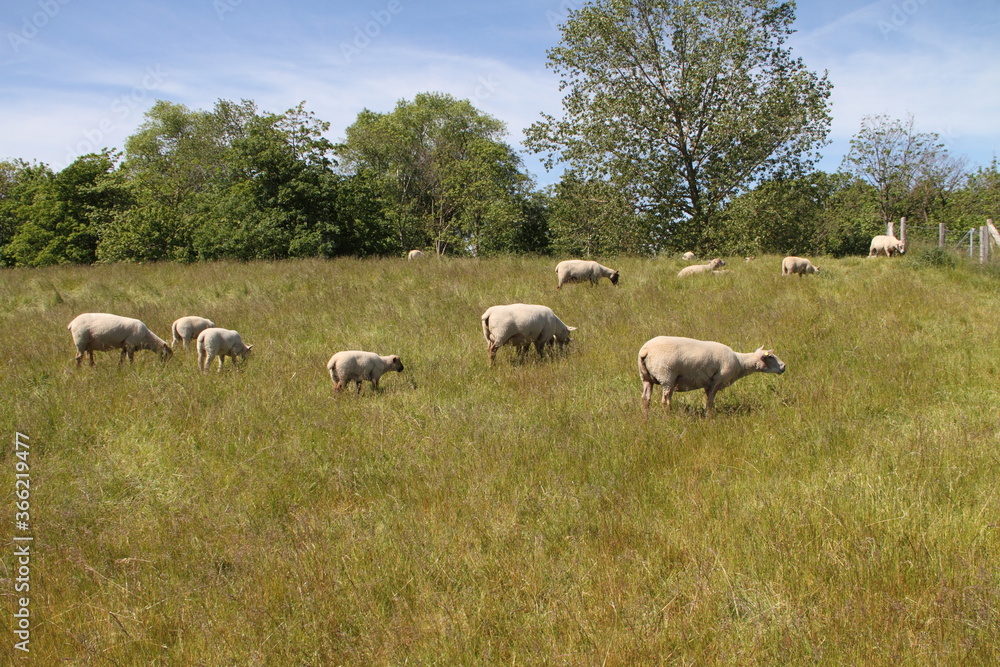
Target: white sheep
686,364
688,256
695,269
216,342
357,366
579,270
186,329
415,254
889,245
800,265
523,325
101,331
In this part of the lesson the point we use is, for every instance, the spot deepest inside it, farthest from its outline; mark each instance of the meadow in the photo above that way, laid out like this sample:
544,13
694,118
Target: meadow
844,512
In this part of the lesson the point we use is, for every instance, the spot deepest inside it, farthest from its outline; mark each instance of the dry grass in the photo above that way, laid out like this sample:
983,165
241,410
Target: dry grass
843,513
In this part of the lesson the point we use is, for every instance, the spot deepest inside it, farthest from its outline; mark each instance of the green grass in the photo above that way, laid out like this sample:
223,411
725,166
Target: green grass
842,513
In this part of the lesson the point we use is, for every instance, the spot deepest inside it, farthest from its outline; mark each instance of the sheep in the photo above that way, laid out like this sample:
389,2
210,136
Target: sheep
216,341
523,325
356,366
688,256
799,265
186,329
578,270
101,331
886,244
686,364
415,254
701,268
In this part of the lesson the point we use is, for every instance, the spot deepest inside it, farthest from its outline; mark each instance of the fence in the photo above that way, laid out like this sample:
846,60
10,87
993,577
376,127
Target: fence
987,235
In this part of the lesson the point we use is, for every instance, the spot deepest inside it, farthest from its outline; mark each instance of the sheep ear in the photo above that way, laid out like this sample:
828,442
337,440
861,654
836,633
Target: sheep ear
571,328
249,347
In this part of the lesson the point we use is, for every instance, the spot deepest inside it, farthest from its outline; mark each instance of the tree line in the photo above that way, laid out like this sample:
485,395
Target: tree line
687,125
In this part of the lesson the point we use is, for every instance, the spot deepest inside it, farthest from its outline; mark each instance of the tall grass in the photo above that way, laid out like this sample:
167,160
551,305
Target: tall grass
842,513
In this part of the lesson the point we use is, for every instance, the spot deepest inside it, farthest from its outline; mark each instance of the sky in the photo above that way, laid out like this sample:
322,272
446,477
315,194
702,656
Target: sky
76,77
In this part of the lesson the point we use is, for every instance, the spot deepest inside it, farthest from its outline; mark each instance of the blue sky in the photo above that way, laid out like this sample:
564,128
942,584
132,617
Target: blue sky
77,76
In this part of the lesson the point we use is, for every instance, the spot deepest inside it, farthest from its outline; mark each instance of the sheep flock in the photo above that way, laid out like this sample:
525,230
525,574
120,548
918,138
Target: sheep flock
676,363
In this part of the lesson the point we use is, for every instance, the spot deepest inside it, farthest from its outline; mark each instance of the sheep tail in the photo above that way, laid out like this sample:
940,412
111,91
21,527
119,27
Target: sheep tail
486,328
643,371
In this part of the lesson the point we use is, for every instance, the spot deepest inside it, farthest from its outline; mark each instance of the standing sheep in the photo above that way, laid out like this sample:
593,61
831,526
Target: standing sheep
799,265
356,366
100,331
579,270
186,329
415,254
889,245
214,342
686,364
695,269
523,325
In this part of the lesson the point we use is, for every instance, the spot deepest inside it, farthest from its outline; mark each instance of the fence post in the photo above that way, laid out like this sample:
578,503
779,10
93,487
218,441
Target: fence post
902,232
941,234
889,228
972,239
984,245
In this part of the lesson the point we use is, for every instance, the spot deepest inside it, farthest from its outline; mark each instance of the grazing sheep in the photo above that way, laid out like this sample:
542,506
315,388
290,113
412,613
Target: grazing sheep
100,331
886,244
356,366
578,270
799,265
750,258
415,254
686,364
688,256
186,329
701,268
214,342
523,325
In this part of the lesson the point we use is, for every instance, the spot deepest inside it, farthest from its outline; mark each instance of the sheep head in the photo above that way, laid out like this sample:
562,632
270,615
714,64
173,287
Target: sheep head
767,362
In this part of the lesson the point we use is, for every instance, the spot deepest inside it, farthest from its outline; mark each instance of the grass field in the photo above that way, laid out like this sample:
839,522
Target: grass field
842,513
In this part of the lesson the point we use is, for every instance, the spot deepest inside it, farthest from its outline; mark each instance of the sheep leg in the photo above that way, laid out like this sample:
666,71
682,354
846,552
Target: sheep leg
222,361
491,351
540,346
710,392
121,357
78,359
203,361
358,392
647,393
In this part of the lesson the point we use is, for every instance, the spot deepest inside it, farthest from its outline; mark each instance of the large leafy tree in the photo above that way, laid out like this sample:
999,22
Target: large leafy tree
683,103
911,172
57,216
447,178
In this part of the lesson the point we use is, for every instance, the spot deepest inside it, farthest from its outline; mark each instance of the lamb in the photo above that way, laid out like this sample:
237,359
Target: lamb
523,325
101,331
186,329
216,341
701,268
688,256
686,364
356,366
886,244
799,265
415,254
579,270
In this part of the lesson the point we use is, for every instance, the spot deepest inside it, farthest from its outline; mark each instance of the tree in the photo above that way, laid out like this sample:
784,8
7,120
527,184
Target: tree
683,103
59,214
447,178
593,218
910,171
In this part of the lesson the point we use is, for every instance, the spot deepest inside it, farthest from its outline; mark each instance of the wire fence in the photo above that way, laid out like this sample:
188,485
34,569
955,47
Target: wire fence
982,242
